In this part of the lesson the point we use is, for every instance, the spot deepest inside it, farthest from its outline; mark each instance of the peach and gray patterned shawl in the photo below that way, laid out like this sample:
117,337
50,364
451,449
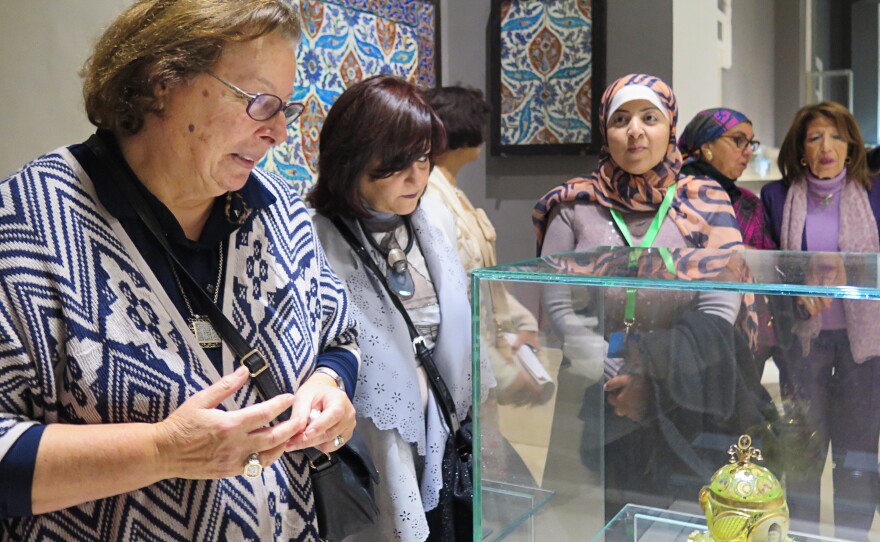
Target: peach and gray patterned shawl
700,208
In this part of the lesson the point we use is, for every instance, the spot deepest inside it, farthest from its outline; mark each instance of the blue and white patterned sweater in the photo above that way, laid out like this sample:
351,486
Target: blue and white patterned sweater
88,336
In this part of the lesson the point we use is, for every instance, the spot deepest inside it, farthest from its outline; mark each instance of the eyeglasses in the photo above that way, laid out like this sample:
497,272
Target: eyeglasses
265,106
740,142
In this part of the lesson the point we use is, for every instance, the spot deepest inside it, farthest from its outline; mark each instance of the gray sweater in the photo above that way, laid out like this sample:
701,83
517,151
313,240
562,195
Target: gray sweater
579,226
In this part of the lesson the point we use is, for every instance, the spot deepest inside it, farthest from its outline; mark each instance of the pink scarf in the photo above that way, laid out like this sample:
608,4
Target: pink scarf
858,233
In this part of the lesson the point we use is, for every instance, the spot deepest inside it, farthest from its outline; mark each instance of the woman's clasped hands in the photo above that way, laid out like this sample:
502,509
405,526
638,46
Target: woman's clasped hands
199,441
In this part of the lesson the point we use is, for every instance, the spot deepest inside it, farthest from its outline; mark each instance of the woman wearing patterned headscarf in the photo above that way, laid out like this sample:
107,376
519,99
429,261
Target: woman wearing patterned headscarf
675,364
718,143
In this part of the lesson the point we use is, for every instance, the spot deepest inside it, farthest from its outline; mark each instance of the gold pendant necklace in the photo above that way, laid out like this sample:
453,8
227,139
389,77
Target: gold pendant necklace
204,331
200,324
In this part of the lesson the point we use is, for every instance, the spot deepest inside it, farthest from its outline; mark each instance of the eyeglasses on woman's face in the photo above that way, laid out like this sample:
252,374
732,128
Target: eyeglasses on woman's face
740,142
265,106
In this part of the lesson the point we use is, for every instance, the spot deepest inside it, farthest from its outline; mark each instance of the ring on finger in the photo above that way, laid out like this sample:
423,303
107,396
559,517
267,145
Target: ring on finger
253,468
338,441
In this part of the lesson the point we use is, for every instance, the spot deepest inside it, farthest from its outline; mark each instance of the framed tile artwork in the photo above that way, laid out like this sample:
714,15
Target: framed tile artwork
345,41
546,73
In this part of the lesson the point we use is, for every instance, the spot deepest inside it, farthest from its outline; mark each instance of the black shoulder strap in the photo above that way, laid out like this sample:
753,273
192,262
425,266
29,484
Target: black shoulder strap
247,356
418,342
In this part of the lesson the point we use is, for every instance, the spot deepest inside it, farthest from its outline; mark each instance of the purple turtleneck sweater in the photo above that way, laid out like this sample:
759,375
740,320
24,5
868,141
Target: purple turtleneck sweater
823,231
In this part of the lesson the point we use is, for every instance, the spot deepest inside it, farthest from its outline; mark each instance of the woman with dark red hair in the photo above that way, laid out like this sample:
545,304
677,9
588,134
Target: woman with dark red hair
377,149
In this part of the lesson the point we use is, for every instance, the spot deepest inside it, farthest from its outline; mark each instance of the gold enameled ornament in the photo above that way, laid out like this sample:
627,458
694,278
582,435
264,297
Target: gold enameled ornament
743,502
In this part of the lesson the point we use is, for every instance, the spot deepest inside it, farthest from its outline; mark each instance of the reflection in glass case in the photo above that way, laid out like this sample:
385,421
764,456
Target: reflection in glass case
657,525
652,362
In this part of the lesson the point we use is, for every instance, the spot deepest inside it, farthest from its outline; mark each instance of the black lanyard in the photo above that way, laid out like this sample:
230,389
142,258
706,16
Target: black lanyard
247,356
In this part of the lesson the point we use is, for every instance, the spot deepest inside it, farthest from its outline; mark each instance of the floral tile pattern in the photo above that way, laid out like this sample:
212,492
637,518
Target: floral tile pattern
546,65
345,41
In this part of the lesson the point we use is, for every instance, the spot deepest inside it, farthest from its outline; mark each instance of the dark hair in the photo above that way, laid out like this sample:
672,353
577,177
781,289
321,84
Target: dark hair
464,113
378,126
792,151
167,42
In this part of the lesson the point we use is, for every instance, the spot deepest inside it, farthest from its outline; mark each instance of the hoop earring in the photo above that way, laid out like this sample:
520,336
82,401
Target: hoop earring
708,155
803,162
848,160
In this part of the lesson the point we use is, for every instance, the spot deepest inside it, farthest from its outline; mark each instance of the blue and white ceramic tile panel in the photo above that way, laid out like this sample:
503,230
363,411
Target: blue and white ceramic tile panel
345,41
546,72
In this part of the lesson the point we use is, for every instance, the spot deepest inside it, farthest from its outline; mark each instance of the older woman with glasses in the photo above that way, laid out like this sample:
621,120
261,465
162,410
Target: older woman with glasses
828,202
718,143
129,409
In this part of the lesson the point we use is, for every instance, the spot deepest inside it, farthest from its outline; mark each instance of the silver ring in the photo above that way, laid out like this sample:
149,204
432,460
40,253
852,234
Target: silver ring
253,468
338,441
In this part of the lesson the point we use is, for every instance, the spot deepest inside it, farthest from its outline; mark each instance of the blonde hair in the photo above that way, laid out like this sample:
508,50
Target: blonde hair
160,43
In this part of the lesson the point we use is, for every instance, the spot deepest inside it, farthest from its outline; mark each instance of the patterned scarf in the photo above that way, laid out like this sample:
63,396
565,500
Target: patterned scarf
858,233
701,168
700,208
707,126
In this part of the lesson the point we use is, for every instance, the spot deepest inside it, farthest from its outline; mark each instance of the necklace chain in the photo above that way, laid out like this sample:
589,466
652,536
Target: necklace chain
192,313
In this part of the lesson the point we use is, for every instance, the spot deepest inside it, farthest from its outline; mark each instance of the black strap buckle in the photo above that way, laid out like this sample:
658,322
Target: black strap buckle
417,342
257,365
317,459
255,362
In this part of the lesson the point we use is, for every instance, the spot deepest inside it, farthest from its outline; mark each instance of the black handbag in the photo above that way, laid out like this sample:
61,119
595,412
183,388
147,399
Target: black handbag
453,517
343,483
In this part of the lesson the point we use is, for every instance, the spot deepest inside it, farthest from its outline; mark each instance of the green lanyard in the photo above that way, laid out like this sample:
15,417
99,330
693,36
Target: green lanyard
629,314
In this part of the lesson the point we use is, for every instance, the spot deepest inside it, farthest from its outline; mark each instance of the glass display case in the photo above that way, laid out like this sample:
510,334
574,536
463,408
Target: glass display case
657,525
649,365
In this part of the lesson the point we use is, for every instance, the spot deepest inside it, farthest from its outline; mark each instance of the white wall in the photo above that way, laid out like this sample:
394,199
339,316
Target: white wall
696,57
44,45
791,42
748,85
865,59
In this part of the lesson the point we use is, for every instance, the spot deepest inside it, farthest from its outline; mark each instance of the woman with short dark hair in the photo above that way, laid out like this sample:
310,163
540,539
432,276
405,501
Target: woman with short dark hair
465,113
346,151
377,148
